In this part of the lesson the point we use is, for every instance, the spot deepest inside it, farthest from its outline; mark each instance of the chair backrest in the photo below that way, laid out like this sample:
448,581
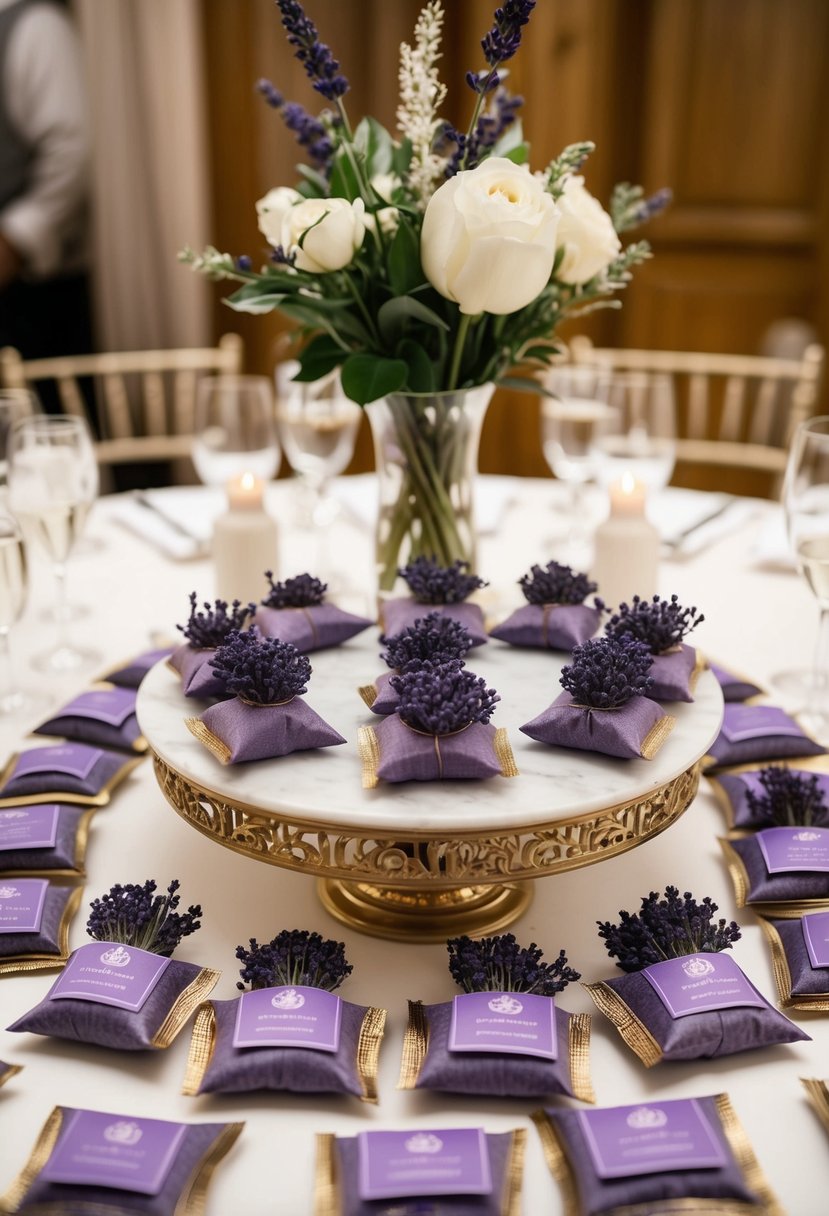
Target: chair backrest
144,401
733,410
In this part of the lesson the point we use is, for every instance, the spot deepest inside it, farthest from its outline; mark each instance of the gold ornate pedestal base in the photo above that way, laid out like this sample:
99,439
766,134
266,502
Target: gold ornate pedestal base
423,916
425,886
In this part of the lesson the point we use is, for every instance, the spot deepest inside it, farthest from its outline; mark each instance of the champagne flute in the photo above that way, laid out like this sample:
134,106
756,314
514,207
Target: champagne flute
235,429
318,428
639,436
13,585
806,507
53,477
15,403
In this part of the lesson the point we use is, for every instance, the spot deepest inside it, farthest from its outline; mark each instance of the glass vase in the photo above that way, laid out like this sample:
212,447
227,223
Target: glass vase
426,457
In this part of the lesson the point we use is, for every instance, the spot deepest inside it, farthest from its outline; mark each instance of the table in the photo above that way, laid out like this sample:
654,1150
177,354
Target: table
756,621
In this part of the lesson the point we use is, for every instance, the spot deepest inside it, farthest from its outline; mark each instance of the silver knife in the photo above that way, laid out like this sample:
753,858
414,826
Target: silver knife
174,525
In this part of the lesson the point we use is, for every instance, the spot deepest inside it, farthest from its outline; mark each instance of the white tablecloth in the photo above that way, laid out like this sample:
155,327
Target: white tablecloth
758,622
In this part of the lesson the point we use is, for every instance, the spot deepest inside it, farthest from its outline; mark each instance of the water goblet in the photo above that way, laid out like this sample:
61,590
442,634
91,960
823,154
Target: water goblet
639,434
53,478
234,429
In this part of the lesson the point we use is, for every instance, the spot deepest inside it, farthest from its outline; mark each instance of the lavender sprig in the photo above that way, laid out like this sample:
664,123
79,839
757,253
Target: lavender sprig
321,68
431,583
556,584
433,638
489,128
666,928
310,133
499,964
660,624
440,700
138,917
629,207
789,799
302,591
608,672
294,956
208,629
504,39
264,671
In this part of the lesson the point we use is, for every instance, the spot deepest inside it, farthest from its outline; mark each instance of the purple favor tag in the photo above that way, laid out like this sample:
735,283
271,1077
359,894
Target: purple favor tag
73,759
519,1023
742,722
697,983
96,1149
788,849
21,905
111,705
288,1017
396,1165
652,1139
815,927
109,974
29,827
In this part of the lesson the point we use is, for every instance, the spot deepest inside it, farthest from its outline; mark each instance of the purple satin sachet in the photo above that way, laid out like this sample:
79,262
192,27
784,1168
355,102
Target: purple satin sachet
398,614
759,733
674,674
405,754
260,732
103,717
132,673
549,626
47,938
313,628
734,688
62,855
806,980
71,768
386,699
198,679
631,731
764,887
738,785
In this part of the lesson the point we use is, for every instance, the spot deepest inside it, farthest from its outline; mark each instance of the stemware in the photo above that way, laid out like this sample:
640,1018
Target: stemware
15,403
235,429
806,507
53,479
318,427
639,433
13,587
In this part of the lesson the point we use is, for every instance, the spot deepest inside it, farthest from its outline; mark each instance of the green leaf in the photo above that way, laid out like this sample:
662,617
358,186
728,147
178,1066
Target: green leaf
392,315
512,138
422,376
524,384
374,145
367,377
519,155
344,182
315,185
344,325
405,270
401,157
320,357
254,304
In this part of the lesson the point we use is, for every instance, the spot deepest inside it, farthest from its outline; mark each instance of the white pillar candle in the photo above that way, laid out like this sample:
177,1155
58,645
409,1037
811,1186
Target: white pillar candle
626,559
244,542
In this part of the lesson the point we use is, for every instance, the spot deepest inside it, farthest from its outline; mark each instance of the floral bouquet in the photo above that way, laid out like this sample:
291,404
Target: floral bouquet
428,265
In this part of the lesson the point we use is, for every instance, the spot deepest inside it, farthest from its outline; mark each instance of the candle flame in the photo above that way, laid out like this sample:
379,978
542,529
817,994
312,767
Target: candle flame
628,483
248,481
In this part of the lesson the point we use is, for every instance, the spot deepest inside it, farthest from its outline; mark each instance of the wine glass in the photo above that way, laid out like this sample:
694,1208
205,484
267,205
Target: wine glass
318,427
53,478
13,586
235,429
15,403
806,507
639,434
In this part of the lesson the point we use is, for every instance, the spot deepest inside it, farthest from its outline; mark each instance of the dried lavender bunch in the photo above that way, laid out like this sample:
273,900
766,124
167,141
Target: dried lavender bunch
138,917
321,68
660,624
499,964
608,672
294,956
207,630
431,583
439,700
264,671
302,591
433,638
556,584
666,928
790,799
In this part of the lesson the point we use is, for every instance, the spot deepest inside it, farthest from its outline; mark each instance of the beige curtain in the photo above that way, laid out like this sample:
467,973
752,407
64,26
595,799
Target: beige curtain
150,171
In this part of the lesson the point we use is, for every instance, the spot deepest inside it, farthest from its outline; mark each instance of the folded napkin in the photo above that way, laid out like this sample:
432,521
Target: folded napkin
173,513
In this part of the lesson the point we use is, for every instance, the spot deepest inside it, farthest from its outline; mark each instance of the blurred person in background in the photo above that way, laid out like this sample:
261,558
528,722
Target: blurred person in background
44,182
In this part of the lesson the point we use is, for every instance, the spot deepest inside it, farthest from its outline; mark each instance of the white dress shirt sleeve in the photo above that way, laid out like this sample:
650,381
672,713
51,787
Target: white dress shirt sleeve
43,87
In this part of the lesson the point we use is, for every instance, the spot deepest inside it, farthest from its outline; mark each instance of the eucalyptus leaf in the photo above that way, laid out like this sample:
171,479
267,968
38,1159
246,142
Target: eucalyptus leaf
365,378
392,315
255,304
524,384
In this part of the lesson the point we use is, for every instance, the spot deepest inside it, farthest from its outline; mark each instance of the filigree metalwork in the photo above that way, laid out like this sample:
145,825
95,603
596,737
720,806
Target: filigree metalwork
421,861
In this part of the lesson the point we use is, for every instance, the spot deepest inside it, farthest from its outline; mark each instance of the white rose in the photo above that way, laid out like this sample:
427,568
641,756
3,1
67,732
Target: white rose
330,230
272,210
586,234
489,237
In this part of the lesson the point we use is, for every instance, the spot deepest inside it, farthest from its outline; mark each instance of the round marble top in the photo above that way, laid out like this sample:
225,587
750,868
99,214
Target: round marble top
324,786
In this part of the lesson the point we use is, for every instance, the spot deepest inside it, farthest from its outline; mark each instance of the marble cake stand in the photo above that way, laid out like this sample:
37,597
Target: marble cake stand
423,861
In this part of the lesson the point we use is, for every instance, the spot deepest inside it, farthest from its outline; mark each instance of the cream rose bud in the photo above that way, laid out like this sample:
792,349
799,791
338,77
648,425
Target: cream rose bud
324,233
271,211
586,234
488,240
